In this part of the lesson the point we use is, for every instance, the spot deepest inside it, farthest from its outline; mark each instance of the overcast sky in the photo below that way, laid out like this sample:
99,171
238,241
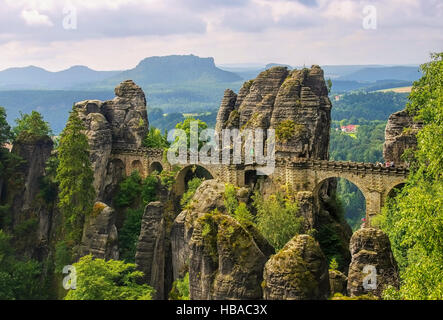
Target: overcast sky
117,34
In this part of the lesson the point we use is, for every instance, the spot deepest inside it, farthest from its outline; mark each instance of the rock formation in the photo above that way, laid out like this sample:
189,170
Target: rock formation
337,282
299,271
225,260
400,134
150,255
118,123
294,103
100,236
371,256
32,152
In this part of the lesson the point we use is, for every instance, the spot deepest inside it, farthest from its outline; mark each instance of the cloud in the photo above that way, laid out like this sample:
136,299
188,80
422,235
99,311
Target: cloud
34,18
113,34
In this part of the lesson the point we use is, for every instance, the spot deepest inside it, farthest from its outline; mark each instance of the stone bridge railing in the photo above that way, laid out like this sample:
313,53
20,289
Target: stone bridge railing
374,180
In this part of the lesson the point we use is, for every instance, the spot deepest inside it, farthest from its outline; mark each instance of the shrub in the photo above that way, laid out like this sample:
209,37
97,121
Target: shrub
193,185
180,289
277,219
98,279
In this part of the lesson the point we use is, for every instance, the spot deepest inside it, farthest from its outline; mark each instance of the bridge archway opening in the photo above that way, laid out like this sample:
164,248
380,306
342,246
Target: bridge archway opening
187,174
136,165
251,177
343,197
395,190
155,166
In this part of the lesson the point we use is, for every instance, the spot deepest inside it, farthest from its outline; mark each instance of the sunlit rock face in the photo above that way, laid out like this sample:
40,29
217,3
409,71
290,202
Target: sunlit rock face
400,135
294,103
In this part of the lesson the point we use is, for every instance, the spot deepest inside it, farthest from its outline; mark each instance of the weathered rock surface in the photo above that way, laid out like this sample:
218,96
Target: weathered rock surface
225,261
150,255
299,271
278,95
400,134
337,282
34,151
208,196
118,123
100,236
371,247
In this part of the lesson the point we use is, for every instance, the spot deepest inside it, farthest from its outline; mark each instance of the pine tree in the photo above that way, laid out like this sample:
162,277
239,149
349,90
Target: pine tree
75,177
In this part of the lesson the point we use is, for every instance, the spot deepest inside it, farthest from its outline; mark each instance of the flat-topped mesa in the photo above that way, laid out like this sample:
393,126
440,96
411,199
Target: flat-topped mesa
294,103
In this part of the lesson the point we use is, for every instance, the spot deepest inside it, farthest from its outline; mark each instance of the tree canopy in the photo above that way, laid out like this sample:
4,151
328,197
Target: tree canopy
414,218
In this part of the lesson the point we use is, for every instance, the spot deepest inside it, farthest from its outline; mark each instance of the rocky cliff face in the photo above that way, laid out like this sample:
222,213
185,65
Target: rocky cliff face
225,262
118,123
224,259
371,255
100,236
34,152
299,271
150,254
400,134
294,103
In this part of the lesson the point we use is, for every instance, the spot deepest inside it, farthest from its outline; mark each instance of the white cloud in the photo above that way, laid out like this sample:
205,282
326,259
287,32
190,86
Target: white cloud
34,18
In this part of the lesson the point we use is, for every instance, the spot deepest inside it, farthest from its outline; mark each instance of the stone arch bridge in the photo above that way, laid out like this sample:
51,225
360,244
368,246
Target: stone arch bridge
374,181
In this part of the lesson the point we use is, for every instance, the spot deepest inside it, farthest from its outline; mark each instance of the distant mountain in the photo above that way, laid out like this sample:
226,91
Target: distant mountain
175,69
35,78
384,73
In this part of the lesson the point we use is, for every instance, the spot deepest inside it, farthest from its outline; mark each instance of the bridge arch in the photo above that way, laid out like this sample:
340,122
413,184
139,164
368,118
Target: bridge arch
137,165
187,173
155,166
355,180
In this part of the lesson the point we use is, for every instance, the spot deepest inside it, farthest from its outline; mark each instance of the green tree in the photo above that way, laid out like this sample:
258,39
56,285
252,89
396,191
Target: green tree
186,127
75,177
31,125
413,220
5,129
277,219
155,139
98,279
19,280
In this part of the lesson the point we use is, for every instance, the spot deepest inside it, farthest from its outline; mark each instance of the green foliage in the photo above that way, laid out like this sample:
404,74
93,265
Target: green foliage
19,280
367,146
329,84
63,256
5,129
333,264
413,220
180,289
128,234
31,125
98,279
368,106
230,199
75,177
134,194
48,184
186,127
277,219
129,191
287,130
155,139
243,215
193,184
